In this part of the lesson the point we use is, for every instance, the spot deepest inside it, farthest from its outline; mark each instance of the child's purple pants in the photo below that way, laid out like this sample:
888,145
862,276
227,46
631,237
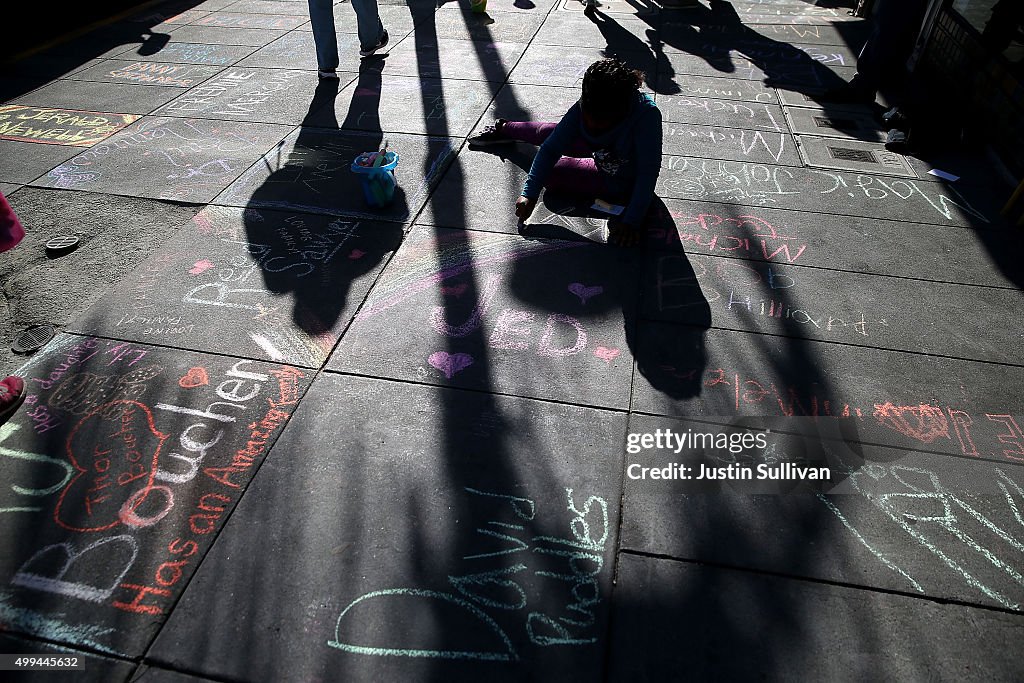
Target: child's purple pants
575,173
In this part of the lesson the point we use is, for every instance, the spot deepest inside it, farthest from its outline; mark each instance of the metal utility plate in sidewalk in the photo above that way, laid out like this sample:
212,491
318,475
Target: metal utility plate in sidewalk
828,122
852,155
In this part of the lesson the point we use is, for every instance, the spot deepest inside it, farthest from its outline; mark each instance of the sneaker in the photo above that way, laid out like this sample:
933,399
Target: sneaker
490,136
370,51
12,395
327,74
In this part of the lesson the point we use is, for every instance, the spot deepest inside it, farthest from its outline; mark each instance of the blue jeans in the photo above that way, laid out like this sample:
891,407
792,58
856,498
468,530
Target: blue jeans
321,15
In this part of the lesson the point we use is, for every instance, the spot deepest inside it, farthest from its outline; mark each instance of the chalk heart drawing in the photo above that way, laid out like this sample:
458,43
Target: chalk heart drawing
201,267
123,434
450,363
585,292
455,290
356,254
606,354
195,377
486,641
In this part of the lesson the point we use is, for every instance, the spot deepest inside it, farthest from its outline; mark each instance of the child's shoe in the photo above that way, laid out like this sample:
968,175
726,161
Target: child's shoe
491,135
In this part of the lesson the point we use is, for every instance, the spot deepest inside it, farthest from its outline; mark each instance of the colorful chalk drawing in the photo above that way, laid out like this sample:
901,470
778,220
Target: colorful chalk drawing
542,589
239,93
120,521
51,126
152,73
187,159
239,263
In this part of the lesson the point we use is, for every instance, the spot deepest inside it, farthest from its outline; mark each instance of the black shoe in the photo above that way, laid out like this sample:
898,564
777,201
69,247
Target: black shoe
490,136
370,51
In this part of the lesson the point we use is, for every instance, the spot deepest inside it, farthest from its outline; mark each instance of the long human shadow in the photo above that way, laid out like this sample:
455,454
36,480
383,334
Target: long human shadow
783,65
309,268
459,418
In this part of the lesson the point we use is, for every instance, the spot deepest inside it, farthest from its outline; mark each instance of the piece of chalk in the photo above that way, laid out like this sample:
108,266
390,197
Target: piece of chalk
945,176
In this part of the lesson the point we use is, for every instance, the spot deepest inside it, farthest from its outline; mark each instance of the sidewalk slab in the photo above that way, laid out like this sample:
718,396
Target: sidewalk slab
215,35
127,459
310,171
100,97
284,22
827,191
881,247
188,160
458,21
455,59
249,282
247,94
403,104
734,144
553,65
937,404
743,626
850,34
827,305
23,162
605,29
296,50
144,72
930,525
724,113
482,311
190,53
432,551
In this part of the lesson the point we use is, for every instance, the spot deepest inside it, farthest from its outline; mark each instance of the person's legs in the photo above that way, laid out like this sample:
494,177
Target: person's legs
321,17
536,132
578,177
371,30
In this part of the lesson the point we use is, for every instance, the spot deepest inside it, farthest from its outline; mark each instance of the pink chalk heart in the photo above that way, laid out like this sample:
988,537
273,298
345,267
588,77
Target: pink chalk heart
450,363
455,290
584,292
201,267
606,354
356,254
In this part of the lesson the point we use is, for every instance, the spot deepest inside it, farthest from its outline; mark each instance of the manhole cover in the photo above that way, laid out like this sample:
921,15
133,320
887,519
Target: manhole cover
62,245
33,338
847,154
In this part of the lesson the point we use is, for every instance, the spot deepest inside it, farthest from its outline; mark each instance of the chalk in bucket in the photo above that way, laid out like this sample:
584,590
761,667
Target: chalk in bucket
376,171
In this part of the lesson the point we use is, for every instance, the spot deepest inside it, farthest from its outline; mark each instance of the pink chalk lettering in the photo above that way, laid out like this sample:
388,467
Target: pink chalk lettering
450,363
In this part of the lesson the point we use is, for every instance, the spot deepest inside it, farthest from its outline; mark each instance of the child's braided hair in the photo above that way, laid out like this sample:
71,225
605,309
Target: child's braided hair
608,87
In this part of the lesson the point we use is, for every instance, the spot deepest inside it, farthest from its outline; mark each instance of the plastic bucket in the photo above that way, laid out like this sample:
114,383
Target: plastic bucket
378,181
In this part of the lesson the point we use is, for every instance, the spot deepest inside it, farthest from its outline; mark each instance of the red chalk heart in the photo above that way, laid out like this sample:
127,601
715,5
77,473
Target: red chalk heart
356,254
195,377
606,354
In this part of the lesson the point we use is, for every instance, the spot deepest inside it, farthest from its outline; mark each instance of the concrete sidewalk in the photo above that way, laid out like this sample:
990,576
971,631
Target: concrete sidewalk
283,436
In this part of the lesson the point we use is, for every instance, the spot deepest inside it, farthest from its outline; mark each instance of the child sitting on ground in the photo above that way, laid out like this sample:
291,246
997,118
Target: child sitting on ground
607,146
